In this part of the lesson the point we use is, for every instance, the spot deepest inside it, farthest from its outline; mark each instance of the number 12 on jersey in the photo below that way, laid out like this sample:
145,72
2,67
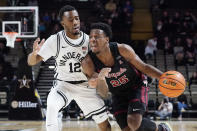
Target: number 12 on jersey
74,67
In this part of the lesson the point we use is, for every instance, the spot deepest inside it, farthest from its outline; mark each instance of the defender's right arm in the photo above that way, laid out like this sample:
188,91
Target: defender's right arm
33,57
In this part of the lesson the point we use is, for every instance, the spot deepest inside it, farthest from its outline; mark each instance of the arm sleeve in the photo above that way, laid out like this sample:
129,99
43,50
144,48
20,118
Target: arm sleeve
49,48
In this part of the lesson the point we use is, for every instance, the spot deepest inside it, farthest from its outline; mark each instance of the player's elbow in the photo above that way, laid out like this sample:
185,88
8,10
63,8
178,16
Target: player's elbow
33,60
30,62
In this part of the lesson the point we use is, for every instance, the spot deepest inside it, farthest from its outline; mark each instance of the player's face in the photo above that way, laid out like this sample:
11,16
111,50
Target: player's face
71,22
98,41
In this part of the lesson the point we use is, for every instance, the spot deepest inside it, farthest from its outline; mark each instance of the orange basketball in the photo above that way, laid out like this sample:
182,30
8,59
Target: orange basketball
172,83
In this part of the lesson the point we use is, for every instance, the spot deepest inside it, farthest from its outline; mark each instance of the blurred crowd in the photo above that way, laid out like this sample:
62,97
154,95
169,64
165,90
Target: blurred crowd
175,33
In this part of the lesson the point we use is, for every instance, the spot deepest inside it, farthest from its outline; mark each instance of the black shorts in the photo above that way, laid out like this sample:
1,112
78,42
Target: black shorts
134,102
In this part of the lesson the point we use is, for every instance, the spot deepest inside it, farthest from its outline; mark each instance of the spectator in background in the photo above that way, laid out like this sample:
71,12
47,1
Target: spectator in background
165,17
193,79
184,29
178,52
182,105
151,48
46,18
190,51
128,7
42,27
177,18
188,17
167,45
159,27
110,6
165,109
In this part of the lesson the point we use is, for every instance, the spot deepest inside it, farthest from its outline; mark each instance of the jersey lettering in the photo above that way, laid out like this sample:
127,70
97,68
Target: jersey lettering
70,55
121,81
117,74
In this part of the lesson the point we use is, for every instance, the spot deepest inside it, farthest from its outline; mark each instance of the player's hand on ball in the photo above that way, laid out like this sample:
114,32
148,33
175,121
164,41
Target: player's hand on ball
37,46
104,73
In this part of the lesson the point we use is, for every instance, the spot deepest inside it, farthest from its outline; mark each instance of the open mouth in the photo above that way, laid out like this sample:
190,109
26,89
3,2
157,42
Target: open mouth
76,28
93,47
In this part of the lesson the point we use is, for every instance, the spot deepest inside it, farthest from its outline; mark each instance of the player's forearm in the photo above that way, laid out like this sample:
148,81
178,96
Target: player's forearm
32,59
102,88
152,71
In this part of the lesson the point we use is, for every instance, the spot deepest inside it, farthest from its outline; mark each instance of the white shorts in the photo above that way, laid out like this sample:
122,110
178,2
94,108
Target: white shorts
86,97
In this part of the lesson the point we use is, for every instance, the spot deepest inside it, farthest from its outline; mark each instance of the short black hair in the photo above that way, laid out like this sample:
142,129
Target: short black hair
102,26
65,9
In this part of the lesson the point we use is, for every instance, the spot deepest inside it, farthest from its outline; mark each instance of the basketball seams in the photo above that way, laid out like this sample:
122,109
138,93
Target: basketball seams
172,85
172,79
170,88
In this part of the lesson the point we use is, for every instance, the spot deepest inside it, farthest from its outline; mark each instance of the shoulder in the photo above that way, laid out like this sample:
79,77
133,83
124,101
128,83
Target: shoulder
124,48
85,35
51,42
87,63
87,59
126,51
52,38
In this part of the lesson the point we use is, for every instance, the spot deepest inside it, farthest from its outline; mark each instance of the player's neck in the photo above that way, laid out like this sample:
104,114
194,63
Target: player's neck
71,36
106,57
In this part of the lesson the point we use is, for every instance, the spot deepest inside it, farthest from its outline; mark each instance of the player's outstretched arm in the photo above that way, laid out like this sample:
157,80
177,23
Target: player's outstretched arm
128,53
34,58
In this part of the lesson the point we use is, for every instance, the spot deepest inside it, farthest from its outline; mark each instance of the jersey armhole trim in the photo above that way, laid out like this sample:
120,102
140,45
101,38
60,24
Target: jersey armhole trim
58,46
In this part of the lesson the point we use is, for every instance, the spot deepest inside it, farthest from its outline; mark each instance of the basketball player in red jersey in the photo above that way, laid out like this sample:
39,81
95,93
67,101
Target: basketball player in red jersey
120,71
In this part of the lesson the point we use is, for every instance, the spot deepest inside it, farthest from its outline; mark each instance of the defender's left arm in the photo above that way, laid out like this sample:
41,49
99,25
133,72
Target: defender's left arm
89,70
95,80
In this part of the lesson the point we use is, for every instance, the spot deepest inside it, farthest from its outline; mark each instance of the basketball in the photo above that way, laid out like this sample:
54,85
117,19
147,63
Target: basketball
172,84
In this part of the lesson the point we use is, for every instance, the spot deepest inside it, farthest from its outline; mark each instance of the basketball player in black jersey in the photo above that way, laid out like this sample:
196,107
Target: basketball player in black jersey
120,71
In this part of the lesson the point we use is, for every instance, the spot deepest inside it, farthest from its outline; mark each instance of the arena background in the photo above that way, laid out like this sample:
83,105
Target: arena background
171,24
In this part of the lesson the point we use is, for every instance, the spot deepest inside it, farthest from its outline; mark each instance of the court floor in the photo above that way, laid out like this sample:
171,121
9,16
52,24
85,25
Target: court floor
83,126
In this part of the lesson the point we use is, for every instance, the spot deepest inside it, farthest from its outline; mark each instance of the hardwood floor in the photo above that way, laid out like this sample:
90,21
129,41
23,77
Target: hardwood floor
83,126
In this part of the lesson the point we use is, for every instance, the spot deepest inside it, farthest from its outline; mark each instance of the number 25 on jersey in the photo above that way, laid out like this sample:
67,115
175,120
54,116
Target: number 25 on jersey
122,80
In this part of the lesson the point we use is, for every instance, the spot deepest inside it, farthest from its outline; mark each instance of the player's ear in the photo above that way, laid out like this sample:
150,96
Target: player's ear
107,39
62,23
